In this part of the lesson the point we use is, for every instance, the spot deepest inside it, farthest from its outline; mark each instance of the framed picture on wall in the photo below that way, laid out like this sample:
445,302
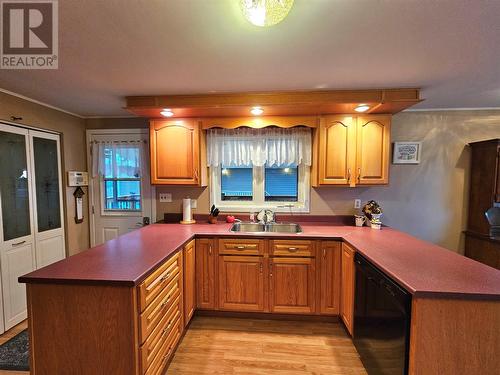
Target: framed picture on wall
407,152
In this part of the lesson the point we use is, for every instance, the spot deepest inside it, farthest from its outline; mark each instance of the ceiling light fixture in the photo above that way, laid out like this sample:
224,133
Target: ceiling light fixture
256,111
167,113
265,12
362,108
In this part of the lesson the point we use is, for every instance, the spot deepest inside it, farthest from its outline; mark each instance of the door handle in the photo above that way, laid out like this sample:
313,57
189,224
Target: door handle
19,243
359,174
349,175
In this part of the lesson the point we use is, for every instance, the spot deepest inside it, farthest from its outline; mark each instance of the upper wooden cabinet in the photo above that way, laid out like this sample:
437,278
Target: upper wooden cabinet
354,150
175,152
337,150
373,149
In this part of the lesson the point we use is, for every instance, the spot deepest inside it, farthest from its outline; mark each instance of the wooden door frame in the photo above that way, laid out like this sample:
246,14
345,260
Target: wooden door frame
92,195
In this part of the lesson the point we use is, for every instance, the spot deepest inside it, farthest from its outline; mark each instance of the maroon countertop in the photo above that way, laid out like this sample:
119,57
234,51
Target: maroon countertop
420,267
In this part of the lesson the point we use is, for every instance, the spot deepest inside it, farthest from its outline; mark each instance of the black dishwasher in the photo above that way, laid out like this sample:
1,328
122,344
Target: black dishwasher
382,311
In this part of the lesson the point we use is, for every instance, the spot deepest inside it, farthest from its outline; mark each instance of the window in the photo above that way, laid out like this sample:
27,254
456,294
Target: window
281,184
253,169
121,180
236,184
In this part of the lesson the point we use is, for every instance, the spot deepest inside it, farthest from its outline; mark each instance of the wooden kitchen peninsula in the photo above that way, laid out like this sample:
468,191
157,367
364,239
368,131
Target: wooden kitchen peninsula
122,307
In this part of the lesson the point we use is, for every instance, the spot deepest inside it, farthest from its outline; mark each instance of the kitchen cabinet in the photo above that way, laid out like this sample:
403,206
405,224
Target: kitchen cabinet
354,150
329,265
175,152
292,285
373,149
347,287
205,261
189,281
242,285
337,150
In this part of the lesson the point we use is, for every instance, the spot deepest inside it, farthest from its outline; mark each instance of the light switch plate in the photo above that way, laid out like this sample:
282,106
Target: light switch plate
194,203
165,197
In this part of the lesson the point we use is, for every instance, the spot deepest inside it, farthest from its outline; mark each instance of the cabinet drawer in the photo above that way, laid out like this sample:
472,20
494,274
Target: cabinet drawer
241,247
155,282
160,333
151,317
165,352
293,248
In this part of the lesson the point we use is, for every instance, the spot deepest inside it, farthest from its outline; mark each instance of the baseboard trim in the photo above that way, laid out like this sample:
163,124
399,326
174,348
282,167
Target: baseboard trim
268,316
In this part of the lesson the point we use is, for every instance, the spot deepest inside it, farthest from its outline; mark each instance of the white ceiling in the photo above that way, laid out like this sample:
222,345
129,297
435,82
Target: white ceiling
114,48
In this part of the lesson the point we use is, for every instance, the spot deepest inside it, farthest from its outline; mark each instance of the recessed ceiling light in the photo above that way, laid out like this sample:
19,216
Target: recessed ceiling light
167,113
362,108
256,111
265,12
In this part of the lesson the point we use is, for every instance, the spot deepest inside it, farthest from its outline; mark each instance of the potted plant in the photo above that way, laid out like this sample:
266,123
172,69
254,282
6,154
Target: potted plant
373,212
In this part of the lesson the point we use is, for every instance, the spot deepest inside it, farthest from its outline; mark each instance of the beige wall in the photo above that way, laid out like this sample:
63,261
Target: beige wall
428,200
117,123
72,131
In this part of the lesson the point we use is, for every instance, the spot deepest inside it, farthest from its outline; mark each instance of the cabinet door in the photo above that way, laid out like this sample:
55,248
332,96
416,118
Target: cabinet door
189,281
373,148
174,152
241,283
205,274
347,288
292,285
337,150
329,260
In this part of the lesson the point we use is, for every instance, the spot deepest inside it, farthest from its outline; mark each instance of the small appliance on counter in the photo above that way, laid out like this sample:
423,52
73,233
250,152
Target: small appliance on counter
493,216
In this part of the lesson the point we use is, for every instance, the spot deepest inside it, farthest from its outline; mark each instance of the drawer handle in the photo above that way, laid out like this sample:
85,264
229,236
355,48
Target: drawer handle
165,277
241,247
293,249
165,330
166,301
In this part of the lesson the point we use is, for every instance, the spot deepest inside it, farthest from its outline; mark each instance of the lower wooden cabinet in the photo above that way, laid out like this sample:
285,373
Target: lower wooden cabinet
189,281
242,283
292,285
329,265
205,274
347,288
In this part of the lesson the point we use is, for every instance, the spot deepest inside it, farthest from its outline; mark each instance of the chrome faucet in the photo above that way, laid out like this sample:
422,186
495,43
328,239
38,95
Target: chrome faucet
266,216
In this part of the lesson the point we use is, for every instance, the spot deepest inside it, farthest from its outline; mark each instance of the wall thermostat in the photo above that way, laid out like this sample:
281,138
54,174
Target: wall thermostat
78,178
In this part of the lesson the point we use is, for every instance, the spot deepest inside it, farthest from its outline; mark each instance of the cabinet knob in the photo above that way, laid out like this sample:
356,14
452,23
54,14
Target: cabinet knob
359,174
349,175
210,249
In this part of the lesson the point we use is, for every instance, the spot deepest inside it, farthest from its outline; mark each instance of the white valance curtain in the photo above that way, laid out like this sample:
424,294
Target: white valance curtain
245,147
112,159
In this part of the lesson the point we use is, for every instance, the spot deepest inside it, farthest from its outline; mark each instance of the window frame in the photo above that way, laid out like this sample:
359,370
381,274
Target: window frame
302,205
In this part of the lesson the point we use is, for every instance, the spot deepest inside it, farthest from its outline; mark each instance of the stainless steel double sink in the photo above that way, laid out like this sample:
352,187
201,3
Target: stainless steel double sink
266,228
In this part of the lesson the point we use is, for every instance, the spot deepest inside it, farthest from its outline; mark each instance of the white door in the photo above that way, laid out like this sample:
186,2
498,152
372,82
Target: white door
17,245
120,188
47,198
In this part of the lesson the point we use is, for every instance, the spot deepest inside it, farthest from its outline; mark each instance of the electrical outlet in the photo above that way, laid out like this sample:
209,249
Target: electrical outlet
194,203
165,197
357,203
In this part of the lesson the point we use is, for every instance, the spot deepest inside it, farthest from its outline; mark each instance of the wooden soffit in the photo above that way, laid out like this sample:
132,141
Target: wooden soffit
287,103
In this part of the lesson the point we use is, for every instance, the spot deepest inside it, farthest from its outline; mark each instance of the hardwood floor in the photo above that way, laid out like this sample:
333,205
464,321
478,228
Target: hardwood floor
256,347
265,347
6,337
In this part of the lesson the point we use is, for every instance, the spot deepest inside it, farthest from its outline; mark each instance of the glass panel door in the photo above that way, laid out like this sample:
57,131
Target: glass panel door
14,187
48,207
